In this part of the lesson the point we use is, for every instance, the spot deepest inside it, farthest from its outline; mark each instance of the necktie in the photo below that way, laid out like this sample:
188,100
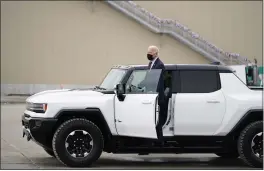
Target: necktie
149,65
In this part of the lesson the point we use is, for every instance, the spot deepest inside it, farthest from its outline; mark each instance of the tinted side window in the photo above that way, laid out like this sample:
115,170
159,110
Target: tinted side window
176,84
143,81
198,81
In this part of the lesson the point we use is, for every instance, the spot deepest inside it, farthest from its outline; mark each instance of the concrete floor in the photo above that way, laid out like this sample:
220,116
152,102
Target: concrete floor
17,153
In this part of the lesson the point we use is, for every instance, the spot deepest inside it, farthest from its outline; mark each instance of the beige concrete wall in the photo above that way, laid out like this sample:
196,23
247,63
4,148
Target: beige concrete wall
234,26
75,42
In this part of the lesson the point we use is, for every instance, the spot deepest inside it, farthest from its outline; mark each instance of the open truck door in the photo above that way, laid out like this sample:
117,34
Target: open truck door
136,104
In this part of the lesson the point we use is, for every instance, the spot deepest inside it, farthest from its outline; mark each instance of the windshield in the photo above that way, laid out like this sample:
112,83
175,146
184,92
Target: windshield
113,78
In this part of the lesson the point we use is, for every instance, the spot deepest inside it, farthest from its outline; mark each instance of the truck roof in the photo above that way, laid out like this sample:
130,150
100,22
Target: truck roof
181,67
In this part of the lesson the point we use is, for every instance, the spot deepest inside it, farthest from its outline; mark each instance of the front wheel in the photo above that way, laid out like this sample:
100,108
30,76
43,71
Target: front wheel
78,143
250,144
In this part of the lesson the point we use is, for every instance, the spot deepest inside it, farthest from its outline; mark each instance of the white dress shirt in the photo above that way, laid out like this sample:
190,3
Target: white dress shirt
153,62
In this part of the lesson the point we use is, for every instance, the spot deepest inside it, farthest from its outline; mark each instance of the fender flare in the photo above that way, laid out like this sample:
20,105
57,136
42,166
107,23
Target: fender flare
86,110
243,120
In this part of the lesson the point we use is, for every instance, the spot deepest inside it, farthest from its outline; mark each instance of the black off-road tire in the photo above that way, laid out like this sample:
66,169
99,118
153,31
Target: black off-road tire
244,144
58,142
50,152
228,155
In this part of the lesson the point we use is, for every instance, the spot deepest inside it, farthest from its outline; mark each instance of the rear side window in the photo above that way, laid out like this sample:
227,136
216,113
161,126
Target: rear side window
199,81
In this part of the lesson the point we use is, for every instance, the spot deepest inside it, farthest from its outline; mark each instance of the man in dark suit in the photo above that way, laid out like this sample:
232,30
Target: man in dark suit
156,63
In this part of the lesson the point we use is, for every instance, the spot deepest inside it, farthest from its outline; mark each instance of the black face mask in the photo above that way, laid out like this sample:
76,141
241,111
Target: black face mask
150,57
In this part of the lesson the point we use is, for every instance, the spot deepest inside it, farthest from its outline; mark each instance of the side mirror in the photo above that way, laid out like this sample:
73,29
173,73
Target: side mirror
120,89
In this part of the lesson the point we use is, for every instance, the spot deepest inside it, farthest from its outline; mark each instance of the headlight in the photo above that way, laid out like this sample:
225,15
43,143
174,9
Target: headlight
37,107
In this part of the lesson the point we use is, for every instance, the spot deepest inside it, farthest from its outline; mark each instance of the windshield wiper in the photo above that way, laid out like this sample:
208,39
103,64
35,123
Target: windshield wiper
100,88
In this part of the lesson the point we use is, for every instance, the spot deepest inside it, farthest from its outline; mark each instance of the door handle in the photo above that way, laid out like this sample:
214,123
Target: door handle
146,102
213,101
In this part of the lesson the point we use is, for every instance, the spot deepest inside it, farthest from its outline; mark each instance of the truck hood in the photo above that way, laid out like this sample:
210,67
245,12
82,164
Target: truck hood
64,95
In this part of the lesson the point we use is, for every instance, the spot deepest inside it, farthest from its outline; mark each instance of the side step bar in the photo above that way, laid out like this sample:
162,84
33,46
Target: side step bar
170,150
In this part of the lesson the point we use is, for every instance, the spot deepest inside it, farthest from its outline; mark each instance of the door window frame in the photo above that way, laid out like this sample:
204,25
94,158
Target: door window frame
129,74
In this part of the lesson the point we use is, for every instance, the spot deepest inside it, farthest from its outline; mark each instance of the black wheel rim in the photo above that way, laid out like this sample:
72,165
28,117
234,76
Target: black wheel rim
79,143
257,145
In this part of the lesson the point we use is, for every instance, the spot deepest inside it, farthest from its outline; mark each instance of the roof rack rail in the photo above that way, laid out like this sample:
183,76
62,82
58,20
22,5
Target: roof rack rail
215,63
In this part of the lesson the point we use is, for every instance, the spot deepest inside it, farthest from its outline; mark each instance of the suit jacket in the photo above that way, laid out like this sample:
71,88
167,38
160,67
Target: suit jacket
160,65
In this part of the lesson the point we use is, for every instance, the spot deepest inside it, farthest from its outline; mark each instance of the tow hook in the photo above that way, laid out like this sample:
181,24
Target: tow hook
27,133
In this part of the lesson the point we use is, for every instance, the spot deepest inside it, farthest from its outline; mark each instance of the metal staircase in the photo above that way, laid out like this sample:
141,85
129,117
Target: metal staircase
179,32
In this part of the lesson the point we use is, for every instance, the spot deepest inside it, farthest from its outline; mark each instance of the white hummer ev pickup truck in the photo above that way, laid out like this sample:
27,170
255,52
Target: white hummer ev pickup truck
208,110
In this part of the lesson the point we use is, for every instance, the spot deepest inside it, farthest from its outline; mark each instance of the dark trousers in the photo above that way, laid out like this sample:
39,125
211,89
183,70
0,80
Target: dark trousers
161,121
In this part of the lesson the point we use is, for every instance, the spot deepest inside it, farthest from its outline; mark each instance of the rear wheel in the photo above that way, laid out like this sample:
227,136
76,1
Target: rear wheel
78,143
250,144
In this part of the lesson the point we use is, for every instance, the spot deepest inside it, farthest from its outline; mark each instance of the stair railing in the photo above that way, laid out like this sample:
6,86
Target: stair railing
179,32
